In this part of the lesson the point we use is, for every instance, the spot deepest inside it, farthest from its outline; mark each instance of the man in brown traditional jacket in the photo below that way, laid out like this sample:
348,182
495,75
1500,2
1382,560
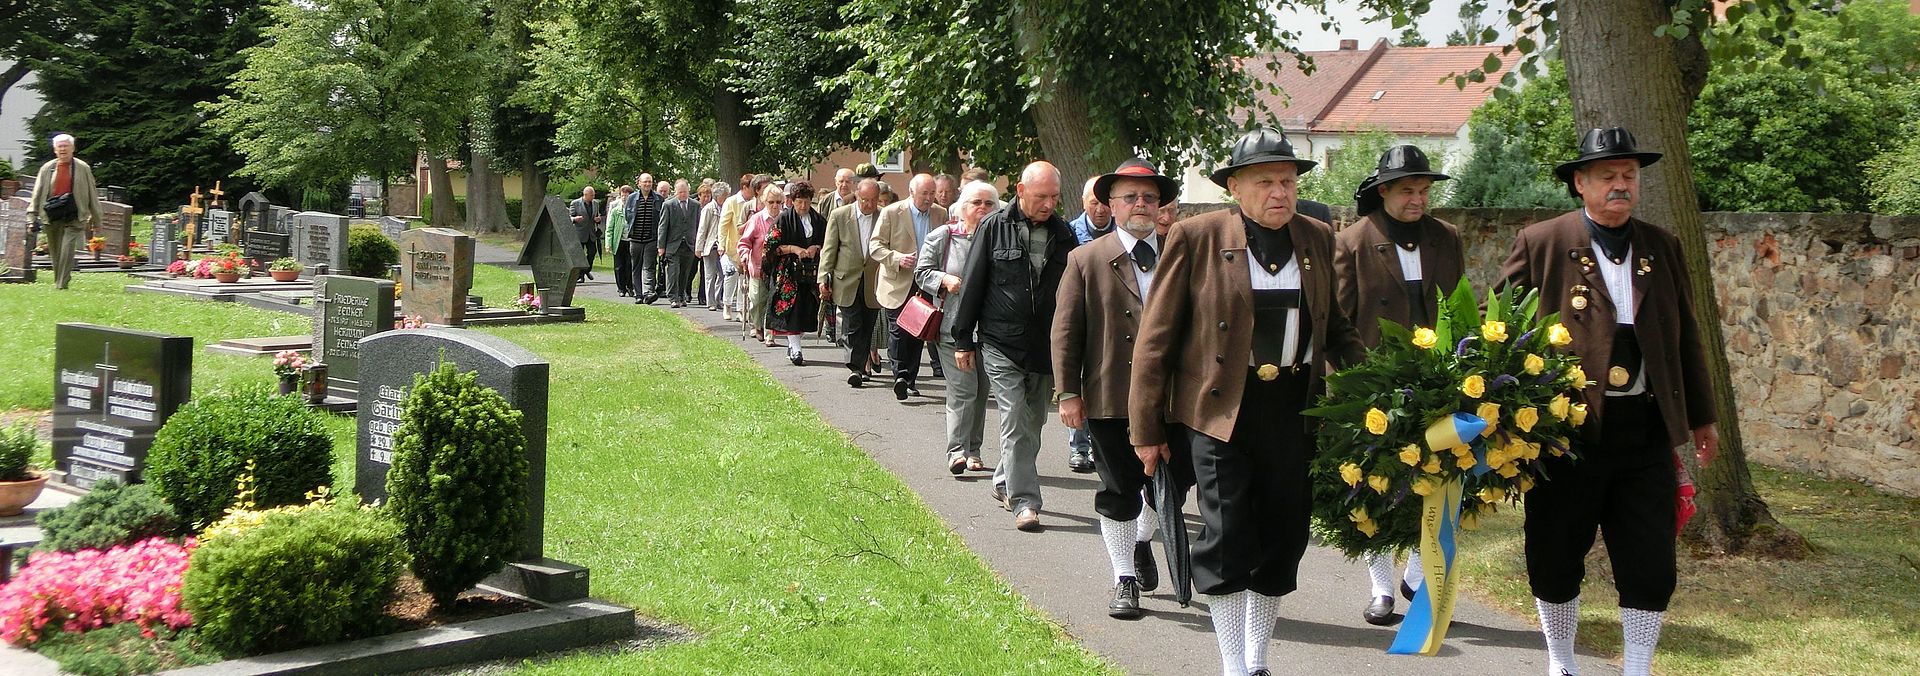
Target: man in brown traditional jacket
1623,293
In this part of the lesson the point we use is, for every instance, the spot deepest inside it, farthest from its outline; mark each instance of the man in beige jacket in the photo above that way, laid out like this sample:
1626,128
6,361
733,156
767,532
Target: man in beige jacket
66,184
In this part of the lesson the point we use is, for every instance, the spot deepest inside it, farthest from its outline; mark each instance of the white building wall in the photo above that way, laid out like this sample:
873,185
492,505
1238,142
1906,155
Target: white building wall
20,104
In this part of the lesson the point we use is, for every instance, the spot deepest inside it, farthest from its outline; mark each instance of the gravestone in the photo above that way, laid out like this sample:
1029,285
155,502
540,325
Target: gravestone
113,193
281,220
255,211
116,226
219,226
393,227
557,263
346,309
16,229
437,266
164,246
390,360
112,390
266,246
320,239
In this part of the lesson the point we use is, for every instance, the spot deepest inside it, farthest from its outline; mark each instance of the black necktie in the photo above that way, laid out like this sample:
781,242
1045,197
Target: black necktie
1143,255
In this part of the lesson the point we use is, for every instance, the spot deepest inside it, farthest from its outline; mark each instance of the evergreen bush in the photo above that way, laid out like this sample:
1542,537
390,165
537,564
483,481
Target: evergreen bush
369,252
456,486
199,455
17,445
299,578
109,515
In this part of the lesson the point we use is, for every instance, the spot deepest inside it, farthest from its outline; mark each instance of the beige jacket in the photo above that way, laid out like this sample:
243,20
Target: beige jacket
85,195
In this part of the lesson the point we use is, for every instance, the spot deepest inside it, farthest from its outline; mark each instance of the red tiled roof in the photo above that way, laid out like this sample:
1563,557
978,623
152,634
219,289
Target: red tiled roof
1340,95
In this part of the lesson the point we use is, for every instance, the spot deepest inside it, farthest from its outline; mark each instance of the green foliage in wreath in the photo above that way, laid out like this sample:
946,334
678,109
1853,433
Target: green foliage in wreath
457,482
1509,368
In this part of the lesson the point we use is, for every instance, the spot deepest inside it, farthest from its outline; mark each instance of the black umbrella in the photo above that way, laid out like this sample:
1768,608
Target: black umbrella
1167,496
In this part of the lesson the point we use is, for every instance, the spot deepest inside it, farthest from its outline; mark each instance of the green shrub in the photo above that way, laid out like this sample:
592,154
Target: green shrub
426,208
369,252
198,456
302,578
122,650
17,445
514,205
456,486
111,514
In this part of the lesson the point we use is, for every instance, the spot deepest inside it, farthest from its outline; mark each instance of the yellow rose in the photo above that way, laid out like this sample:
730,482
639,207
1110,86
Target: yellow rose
1489,412
1432,466
1463,451
1410,454
1578,376
1497,455
1533,451
1425,339
1526,418
1376,421
1378,483
1358,514
1524,482
1425,485
1470,521
1367,528
1558,407
1474,386
1534,364
1350,473
1465,461
1509,470
1558,336
1578,414
1488,508
1494,332
1492,494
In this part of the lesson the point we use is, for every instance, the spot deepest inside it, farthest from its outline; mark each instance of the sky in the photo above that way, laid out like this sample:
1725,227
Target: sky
1441,19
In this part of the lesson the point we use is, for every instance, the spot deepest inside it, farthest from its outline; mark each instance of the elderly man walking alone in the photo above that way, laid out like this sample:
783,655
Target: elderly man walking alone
66,201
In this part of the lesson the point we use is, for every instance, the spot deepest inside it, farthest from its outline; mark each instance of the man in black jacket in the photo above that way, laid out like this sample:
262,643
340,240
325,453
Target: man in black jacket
643,225
1019,254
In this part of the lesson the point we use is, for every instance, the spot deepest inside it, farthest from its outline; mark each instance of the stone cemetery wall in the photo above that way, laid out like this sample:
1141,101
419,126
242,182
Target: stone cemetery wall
1822,320
112,390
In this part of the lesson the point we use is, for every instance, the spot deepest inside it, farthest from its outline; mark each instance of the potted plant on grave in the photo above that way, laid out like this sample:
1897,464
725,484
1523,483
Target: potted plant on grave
287,365
178,268
528,303
96,245
285,269
135,255
226,269
19,484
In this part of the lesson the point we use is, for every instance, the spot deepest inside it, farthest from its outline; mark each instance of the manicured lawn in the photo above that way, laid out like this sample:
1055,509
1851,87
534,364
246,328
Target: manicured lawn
697,489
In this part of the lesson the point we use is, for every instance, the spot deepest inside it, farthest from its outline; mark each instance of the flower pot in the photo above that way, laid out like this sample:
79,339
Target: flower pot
226,277
289,383
127,265
96,256
284,275
16,495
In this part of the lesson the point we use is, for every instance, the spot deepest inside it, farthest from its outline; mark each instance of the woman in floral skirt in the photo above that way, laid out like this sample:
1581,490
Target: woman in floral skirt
792,262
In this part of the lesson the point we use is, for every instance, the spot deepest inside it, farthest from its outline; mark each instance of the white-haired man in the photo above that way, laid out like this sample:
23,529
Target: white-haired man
66,201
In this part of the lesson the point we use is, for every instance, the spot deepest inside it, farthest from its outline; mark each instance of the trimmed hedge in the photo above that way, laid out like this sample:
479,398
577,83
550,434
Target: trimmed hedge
111,514
199,455
369,252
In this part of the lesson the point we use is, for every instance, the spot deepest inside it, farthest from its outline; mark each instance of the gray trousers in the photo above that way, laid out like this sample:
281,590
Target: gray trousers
757,297
63,239
711,277
1022,397
680,267
646,269
966,404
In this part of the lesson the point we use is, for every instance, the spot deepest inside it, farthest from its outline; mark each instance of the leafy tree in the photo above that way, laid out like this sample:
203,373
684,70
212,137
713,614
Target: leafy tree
1473,31
1334,181
1893,176
1537,116
1787,141
789,48
1410,37
1500,174
125,77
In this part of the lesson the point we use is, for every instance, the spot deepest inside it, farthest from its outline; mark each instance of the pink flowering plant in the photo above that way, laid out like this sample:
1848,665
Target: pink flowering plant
177,268
528,303
90,589
410,322
288,363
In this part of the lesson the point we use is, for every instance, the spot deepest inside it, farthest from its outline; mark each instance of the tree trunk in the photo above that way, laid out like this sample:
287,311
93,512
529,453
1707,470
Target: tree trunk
1062,118
1621,74
486,194
735,139
533,192
446,214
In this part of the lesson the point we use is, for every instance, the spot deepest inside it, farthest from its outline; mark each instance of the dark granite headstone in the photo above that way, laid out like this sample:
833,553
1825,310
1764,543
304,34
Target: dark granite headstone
557,263
116,225
112,390
346,309
113,193
437,266
16,251
164,246
281,220
219,226
255,211
393,227
320,239
389,361
266,246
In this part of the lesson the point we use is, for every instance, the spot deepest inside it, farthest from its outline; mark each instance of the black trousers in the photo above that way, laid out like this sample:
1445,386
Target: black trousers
856,325
623,265
680,266
1123,476
903,349
1623,487
593,250
1252,492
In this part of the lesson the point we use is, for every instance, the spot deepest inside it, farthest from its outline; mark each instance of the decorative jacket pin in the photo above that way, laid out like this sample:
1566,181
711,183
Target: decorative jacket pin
1646,265
1306,263
1579,302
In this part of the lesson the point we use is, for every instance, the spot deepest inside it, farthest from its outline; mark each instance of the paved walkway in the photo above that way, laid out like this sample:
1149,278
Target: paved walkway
1064,571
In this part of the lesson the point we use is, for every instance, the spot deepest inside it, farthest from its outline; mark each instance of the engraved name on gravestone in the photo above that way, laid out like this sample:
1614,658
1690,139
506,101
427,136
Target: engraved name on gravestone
346,309
320,239
266,246
16,229
163,246
390,361
556,262
116,226
112,390
437,266
219,226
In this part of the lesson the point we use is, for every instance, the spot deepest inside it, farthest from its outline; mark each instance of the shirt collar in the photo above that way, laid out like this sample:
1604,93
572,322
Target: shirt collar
1127,239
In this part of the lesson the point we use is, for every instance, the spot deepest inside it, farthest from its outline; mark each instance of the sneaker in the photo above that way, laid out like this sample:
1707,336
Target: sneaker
1126,600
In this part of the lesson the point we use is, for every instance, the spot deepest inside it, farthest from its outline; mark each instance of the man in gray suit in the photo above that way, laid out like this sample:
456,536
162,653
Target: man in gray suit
587,218
679,218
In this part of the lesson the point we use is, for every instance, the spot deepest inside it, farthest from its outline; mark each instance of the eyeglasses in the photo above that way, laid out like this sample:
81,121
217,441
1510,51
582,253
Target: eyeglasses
1136,198
982,202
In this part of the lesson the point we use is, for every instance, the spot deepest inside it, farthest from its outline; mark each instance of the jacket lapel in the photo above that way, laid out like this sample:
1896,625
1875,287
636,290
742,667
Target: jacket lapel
1641,266
1122,266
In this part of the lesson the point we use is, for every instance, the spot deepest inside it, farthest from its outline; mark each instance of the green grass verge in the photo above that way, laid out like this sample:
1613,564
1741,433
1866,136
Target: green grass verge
121,650
696,487
1852,608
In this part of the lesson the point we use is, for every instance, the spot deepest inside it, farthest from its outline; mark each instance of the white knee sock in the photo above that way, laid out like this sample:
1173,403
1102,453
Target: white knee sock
1261,611
793,343
1642,631
1229,613
1143,525
1415,574
1559,621
1118,537
1380,572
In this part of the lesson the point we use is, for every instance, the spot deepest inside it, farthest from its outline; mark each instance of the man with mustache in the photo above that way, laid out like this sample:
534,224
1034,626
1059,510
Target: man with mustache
1622,290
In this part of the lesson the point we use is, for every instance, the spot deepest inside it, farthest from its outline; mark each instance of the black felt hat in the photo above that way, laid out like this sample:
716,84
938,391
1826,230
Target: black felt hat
1260,146
1401,161
1603,144
1136,168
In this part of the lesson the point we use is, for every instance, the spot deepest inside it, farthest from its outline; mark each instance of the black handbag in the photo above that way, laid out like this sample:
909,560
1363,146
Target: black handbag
62,209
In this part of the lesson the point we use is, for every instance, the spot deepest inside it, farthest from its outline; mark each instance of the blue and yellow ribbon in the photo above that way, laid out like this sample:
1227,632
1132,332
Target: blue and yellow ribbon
1431,611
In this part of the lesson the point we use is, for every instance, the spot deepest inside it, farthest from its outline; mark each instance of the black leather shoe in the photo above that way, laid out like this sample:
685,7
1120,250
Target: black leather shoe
1126,600
1405,590
1260,672
912,390
900,390
1380,612
937,373
856,380
1143,566
1081,462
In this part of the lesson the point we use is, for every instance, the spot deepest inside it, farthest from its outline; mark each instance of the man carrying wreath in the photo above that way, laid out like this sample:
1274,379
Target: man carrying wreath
1622,291
1232,346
